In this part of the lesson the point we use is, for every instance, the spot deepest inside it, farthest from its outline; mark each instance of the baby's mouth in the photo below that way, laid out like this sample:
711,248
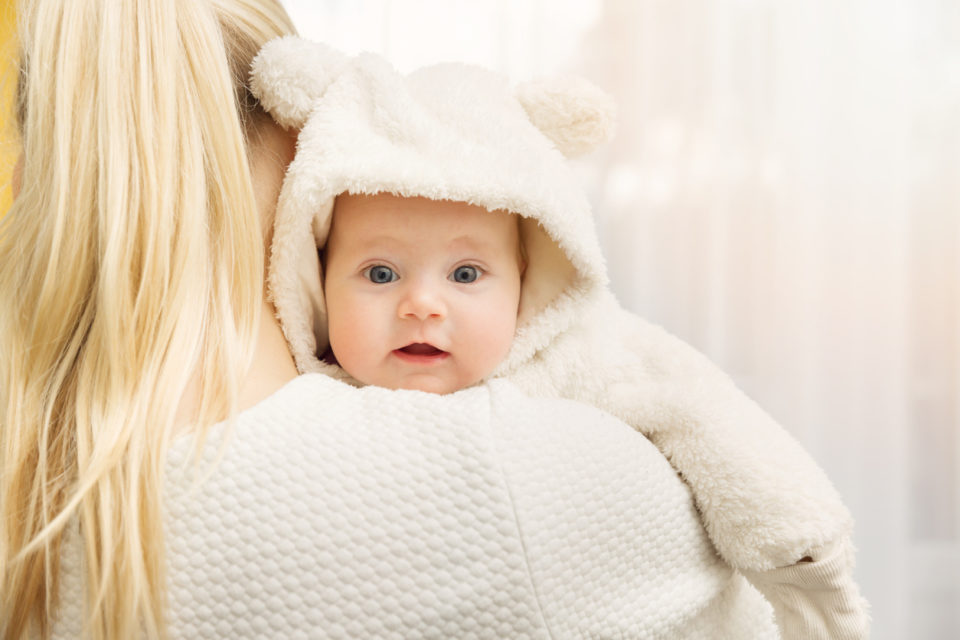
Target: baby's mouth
421,352
422,349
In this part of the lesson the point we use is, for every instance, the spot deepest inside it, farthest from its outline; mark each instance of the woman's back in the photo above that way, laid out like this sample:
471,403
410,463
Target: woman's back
338,512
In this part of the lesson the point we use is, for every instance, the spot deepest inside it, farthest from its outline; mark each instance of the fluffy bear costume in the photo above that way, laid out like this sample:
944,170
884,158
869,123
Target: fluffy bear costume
455,132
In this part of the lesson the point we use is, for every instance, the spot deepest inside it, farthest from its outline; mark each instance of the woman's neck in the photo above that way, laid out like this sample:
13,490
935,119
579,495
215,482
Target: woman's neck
271,150
272,365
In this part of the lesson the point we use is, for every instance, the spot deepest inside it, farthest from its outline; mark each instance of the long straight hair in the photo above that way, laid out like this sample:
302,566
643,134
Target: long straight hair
131,259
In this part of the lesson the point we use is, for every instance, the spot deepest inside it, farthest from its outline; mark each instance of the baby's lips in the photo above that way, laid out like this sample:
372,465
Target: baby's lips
421,354
421,349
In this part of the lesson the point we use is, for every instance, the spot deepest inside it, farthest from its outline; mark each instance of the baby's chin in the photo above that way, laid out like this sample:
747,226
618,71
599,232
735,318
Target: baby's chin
436,382
428,383
438,386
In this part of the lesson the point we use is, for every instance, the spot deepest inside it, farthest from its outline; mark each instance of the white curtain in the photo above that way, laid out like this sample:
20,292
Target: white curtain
783,192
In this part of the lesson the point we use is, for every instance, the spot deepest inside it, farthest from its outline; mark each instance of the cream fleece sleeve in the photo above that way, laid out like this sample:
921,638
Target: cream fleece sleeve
763,500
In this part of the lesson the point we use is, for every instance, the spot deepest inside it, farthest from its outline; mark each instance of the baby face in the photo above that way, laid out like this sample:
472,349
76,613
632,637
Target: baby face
421,294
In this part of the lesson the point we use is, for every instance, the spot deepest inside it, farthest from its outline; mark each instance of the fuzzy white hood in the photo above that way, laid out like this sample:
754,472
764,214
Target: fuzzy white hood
445,132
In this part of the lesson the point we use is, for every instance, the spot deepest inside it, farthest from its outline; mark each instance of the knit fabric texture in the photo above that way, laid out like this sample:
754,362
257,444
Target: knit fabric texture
335,512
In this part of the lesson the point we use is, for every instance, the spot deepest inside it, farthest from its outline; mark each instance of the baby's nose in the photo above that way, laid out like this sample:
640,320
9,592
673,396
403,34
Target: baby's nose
422,301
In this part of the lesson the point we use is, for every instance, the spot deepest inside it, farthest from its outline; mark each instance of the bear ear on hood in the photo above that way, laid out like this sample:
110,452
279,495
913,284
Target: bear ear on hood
291,74
574,114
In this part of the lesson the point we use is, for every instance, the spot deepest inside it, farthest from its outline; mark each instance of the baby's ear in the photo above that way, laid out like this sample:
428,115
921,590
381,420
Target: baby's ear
573,113
290,74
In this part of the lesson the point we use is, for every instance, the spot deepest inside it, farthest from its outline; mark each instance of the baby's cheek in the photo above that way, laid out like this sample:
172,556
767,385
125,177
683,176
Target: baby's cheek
348,336
351,358
501,328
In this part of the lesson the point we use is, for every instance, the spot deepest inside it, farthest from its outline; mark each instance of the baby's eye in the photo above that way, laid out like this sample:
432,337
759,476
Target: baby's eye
380,274
465,274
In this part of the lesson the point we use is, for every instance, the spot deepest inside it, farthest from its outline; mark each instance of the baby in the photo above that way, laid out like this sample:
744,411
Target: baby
421,294
403,183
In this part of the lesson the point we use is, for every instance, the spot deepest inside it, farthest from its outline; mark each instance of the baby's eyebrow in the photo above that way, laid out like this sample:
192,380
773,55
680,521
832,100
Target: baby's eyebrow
388,242
378,241
474,242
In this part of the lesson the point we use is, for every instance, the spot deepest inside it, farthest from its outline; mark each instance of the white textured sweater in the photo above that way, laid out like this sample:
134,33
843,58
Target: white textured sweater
338,512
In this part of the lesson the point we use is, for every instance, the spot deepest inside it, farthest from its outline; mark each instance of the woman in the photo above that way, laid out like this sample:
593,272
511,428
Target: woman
134,333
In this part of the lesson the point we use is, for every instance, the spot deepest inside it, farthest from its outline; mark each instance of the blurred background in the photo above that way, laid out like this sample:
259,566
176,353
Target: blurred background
783,192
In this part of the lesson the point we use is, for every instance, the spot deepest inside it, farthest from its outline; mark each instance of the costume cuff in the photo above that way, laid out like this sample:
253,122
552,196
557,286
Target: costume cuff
816,600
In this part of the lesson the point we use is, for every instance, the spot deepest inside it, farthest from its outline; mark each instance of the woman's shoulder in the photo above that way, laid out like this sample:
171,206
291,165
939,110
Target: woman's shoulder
497,408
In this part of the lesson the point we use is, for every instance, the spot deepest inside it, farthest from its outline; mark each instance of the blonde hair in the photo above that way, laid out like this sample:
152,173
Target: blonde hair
132,258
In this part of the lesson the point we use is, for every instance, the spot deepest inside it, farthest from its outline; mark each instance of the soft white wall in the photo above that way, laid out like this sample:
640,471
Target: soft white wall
783,192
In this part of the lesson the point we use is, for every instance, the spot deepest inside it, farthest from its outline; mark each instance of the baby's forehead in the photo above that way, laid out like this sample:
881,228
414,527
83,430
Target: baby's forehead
387,217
